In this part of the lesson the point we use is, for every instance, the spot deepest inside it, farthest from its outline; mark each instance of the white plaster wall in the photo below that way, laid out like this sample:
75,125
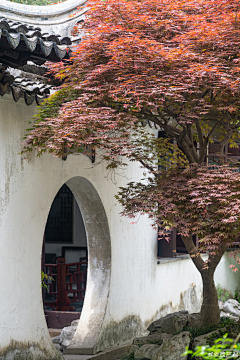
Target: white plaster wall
140,289
55,19
224,275
79,235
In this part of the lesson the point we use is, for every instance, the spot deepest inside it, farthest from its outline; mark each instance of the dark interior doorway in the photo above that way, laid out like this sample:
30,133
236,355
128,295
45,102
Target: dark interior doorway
60,223
64,258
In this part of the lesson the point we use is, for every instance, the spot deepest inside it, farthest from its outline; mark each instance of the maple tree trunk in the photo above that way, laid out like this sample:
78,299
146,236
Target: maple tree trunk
210,313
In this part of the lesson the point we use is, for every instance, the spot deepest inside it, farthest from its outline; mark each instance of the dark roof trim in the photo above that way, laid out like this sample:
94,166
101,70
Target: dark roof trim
15,29
29,89
29,96
20,42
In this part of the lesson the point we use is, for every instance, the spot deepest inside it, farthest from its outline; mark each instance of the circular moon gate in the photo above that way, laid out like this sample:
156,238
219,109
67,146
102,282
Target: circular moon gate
99,266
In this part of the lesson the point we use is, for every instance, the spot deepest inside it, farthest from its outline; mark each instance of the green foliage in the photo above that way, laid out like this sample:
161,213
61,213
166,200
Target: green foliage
237,295
45,277
37,2
50,108
219,345
226,321
223,295
223,348
196,331
232,329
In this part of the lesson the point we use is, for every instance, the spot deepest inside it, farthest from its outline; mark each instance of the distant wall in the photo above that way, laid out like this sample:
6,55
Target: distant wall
79,238
224,275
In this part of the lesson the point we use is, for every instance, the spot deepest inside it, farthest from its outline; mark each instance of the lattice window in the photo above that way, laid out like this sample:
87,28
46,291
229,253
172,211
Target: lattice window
174,247
59,226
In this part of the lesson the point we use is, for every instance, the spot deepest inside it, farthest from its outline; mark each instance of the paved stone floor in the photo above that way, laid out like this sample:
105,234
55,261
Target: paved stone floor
89,357
86,357
114,354
78,357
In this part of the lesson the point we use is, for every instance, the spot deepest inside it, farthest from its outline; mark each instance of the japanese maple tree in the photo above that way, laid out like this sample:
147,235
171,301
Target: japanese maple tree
193,199
172,64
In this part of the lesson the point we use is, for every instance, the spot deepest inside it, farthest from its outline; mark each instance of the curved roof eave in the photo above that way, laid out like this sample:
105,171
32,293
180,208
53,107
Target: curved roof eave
64,15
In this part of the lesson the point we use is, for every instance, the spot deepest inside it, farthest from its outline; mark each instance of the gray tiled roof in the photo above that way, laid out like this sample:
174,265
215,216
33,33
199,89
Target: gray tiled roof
21,87
29,38
29,89
20,42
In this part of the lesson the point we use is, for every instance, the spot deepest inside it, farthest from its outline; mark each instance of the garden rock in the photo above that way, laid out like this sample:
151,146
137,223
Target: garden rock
193,320
145,351
75,322
203,339
170,323
232,306
56,339
220,304
153,338
173,348
58,347
224,314
133,349
166,336
67,335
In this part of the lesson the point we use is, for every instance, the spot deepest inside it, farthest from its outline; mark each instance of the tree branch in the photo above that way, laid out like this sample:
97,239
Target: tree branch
193,250
215,259
150,168
212,130
188,146
200,133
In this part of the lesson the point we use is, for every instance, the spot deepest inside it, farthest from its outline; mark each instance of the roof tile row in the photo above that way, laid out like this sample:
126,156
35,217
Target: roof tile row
21,42
29,89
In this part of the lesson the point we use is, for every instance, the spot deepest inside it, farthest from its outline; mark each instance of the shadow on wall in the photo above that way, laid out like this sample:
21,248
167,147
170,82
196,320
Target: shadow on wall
131,327
188,301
